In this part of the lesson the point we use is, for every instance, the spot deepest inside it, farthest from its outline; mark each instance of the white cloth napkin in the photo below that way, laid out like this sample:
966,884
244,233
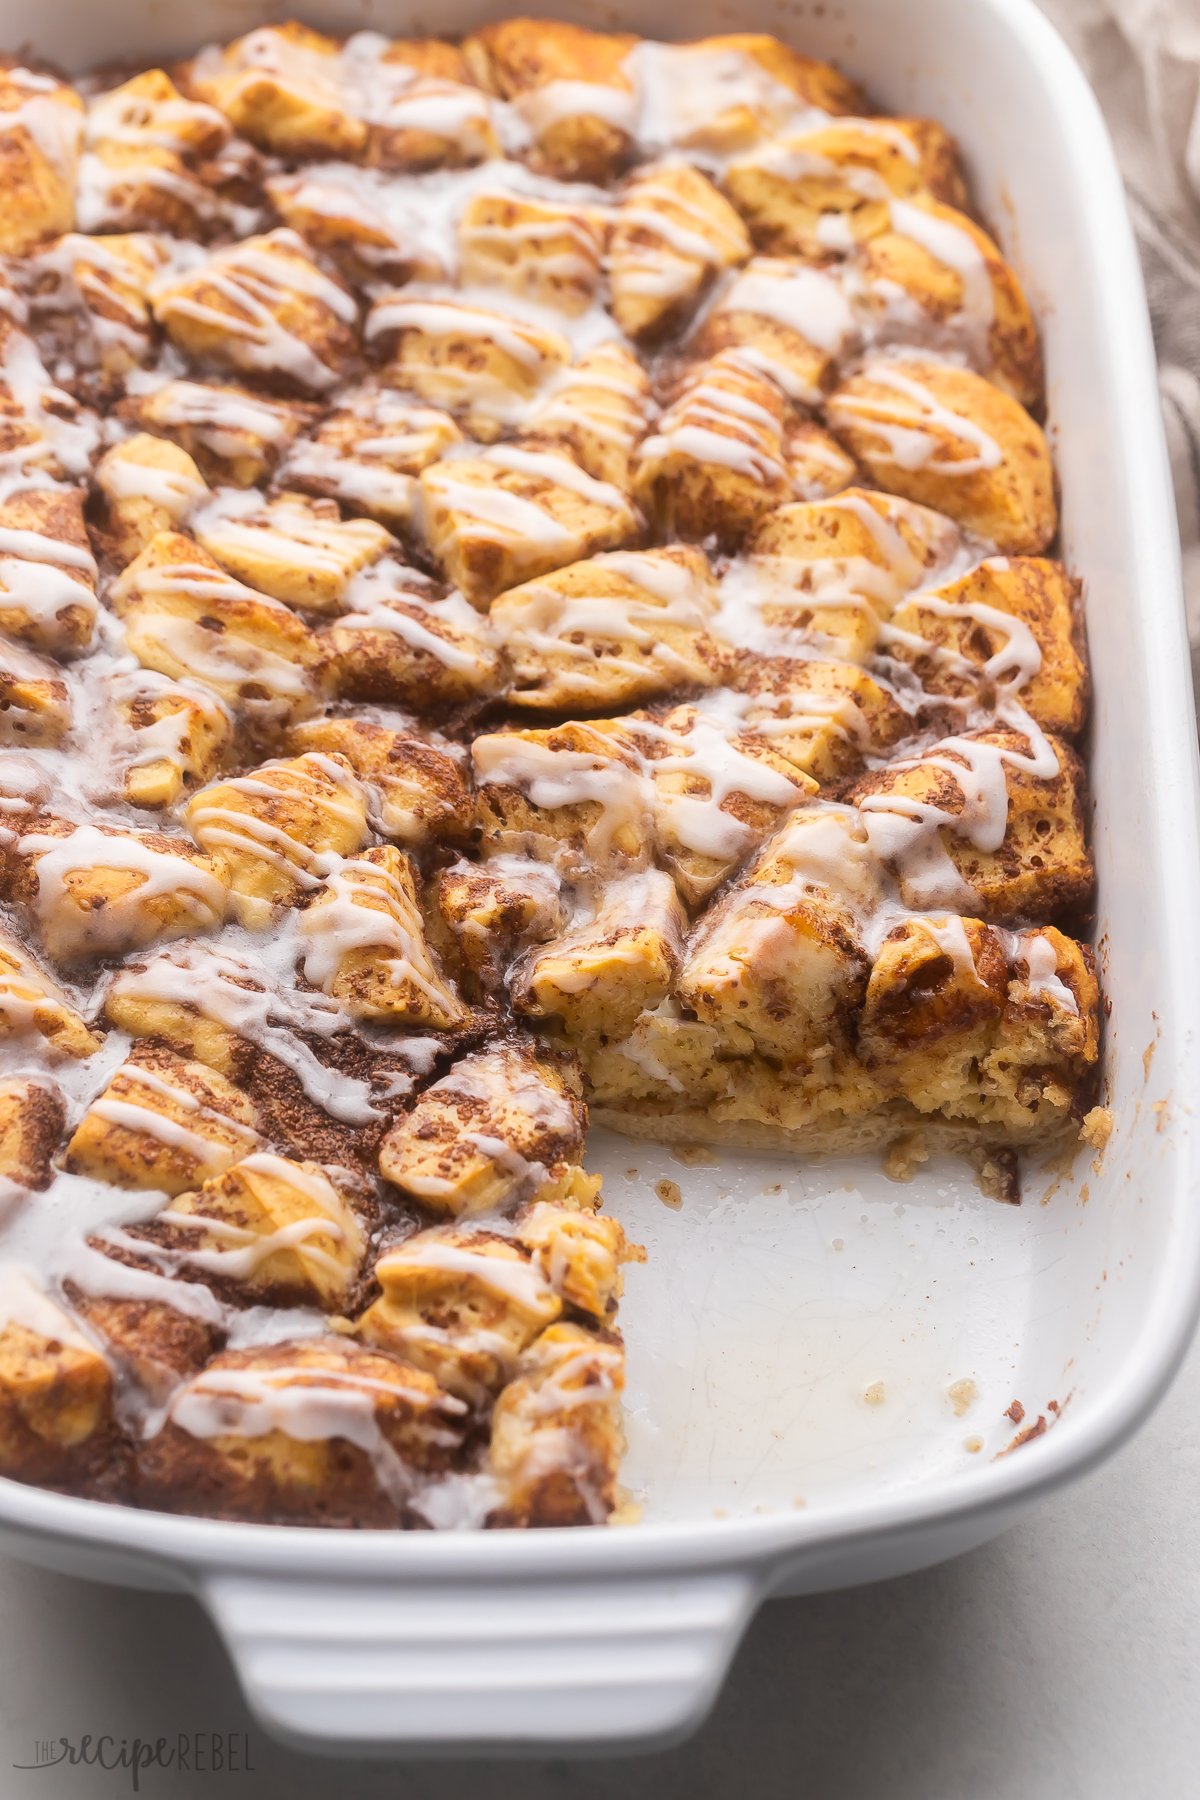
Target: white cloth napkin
1143,59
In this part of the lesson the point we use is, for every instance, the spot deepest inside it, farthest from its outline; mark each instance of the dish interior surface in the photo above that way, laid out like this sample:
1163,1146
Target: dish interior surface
806,1335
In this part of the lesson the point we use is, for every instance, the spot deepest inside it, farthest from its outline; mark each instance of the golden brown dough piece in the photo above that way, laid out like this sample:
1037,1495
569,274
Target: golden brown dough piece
673,234
279,87
162,1123
460,1304
512,513
56,1412
568,1382
47,595
234,434
571,88
41,127
322,1430
97,890
32,1116
416,791
365,945
716,463
279,1230
263,307
156,161
819,192
611,631
31,1005
278,829
35,702
187,619
506,1123
947,438
1011,620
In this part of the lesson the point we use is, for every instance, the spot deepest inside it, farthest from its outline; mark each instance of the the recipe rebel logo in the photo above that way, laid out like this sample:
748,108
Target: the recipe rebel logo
192,1752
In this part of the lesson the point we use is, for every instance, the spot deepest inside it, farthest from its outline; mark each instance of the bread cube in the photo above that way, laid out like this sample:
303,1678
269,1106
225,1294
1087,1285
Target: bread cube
818,466
672,234
482,365
955,287
162,1122
570,87
722,94
151,161
932,1008
234,435
823,717
819,192
279,1230
157,1346
611,631
511,513
491,1133
611,966
947,438
779,957
829,572
368,451
461,1304
32,1005
90,298
556,1430
48,572
205,1003
178,736
364,223
495,909
291,547
262,307
41,128
1043,1064
402,645
991,820
424,110
32,1116
1012,623
792,321
97,890
148,485
596,411
187,619
322,1430
581,1252
280,829
281,86
417,794
35,702
716,792
540,250
56,1399
363,942
573,794
715,464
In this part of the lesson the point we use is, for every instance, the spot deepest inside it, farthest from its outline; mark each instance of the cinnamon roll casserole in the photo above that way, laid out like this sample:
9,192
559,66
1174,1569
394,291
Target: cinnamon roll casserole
526,587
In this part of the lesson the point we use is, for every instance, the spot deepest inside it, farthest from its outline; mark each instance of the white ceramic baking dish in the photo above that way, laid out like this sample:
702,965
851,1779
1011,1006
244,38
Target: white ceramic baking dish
821,1360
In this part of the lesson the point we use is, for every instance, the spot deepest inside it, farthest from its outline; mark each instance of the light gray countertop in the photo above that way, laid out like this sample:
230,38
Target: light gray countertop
1060,1663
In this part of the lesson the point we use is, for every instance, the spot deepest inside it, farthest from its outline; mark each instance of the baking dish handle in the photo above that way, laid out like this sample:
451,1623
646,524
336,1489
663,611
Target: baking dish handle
540,1663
